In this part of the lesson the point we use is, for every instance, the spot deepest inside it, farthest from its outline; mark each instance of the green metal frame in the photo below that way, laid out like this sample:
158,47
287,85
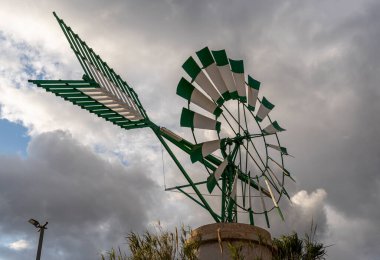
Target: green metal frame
72,90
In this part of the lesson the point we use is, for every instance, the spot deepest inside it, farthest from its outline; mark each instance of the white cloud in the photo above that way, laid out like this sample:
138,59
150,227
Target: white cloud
304,209
19,245
309,202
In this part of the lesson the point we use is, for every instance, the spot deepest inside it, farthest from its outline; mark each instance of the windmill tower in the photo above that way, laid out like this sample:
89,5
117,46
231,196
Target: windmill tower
243,160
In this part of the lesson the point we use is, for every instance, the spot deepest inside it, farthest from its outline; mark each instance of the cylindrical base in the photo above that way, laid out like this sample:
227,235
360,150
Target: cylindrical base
221,241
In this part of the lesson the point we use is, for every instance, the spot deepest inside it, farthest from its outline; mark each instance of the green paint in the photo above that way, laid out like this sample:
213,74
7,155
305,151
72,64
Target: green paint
277,126
218,126
251,108
206,205
205,57
267,104
280,213
251,220
220,57
185,89
266,218
196,154
234,95
220,101
191,68
218,111
83,52
211,183
226,95
187,118
237,66
253,83
243,99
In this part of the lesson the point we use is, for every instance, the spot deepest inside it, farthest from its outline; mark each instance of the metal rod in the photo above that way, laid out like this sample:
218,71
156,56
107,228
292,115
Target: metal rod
207,206
39,250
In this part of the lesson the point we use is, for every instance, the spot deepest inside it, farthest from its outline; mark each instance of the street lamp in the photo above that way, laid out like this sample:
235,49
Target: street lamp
41,229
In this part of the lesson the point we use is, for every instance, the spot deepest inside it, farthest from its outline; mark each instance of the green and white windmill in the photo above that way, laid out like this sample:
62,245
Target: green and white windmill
241,153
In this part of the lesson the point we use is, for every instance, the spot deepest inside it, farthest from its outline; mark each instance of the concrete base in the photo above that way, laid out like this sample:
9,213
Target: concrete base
248,241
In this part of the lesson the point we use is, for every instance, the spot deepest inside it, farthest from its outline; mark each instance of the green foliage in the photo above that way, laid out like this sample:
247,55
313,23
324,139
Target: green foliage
291,247
157,246
236,251
113,255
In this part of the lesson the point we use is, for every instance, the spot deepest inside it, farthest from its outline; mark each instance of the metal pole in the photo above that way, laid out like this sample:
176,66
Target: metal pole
42,230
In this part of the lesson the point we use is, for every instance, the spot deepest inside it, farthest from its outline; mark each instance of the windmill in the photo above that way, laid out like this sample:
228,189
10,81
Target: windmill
242,157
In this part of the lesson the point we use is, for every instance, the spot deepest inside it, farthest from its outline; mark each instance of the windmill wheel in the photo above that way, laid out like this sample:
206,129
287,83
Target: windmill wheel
235,139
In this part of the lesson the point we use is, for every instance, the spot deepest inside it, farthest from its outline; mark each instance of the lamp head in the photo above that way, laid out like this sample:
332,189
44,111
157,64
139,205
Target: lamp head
34,223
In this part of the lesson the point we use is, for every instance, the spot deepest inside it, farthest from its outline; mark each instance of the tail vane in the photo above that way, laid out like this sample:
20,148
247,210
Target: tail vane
101,91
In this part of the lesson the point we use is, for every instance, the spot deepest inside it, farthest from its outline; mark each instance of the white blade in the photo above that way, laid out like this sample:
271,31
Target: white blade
207,86
271,193
203,122
240,84
216,78
234,188
226,74
201,100
219,171
210,147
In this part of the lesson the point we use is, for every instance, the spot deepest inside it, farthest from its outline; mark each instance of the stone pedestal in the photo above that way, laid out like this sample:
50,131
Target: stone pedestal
220,241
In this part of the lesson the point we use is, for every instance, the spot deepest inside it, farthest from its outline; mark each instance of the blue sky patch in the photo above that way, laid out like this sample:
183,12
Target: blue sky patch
13,138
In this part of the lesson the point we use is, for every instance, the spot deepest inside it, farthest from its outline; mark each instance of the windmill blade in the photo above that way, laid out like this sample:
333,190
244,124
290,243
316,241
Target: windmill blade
203,149
186,90
213,179
271,173
209,65
109,100
122,110
237,68
234,188
197,75
286,172
251,219
110,97
283,150
263,202
274,201
273,128
264,109
110,87
85,93
194,120
270,192
90,60
225,71
253,92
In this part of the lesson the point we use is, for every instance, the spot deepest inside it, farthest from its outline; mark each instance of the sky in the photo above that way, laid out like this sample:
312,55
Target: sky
318,61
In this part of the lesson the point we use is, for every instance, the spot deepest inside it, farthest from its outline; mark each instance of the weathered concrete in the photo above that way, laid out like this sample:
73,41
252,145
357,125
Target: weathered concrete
255,242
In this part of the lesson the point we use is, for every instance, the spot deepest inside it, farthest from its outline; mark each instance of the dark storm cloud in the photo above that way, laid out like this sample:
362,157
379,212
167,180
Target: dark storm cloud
335,133
88,201
346,143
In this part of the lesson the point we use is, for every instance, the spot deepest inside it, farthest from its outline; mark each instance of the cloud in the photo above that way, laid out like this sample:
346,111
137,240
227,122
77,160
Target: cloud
309,208
19,245
308,202
303,210
78,192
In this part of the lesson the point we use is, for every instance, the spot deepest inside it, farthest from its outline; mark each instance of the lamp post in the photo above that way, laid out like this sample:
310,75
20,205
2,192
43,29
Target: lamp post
41,229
